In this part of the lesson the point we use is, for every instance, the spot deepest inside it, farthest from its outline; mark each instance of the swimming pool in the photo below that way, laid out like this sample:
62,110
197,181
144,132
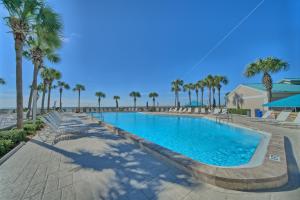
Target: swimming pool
197,138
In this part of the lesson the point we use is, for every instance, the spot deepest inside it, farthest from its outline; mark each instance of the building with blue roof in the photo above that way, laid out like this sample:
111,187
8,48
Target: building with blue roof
253,96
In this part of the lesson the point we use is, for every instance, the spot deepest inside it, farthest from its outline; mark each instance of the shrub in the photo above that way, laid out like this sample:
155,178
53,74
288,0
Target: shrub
5,146
238,111
30,128
15,135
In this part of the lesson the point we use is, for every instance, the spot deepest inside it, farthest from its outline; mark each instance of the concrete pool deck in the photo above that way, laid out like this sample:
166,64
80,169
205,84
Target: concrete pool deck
269,174
102,165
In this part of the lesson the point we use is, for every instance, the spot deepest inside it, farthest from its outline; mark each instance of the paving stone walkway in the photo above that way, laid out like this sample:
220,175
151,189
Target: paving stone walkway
101,165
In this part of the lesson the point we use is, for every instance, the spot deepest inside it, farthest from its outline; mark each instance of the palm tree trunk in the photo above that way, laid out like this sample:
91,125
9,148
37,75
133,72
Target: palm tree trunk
117,104
209,96
190,100
43,98
60,94
197,96
202,98
219,95
153,100
99,104
175,99
134,102
19,81
178,103
78,100
49,94
33,86
214,100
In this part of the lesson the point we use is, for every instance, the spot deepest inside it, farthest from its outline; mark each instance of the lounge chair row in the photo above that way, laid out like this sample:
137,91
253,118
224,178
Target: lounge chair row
281,118
216,111
61,125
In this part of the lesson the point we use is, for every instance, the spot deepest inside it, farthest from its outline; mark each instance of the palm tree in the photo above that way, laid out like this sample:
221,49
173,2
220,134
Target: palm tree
44,90
266,66
2,81
79,88
49,75
213,86
196,87
201,84
153,95
219,81
209,80
188,88
42,43
99,95
22,16
116,98
62,85
135,95
176,88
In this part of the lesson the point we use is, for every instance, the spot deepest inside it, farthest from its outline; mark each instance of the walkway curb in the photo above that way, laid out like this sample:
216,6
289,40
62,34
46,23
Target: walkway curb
11,152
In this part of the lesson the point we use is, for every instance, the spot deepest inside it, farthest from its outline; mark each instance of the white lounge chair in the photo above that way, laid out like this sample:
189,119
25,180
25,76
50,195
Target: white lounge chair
265,116
296,121
180,110
196,110
189,110
216,111
203,111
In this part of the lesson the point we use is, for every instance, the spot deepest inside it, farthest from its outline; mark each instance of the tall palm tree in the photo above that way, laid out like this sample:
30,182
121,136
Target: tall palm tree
153,95
40,88
135,95
79,88
188,88
196,87
99,95
209,82
21,19
219,81
213,87
42,44
176,88
116,98
201,84
62,86
2,81
49,75
44,90
266,66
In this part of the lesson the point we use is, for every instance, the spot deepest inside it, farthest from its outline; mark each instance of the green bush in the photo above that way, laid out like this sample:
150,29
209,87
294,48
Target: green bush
30,128
15,135
5,146
238,111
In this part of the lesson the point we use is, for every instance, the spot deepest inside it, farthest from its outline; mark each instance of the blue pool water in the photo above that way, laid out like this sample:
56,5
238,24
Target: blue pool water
197,138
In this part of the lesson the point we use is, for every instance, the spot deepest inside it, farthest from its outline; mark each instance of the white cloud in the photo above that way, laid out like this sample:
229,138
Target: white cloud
70,37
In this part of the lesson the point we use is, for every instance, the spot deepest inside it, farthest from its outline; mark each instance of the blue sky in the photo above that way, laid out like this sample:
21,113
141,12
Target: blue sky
119,46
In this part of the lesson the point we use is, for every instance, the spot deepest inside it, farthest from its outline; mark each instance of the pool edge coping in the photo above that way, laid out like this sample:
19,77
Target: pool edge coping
270,174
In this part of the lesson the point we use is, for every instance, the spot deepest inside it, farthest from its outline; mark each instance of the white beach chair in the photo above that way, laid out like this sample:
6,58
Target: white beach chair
265,116
216,111
203,111
196,110
180,110
283,116
296,121
183,110
189,110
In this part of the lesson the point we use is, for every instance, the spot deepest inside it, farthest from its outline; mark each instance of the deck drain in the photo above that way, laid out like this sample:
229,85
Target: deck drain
274,157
